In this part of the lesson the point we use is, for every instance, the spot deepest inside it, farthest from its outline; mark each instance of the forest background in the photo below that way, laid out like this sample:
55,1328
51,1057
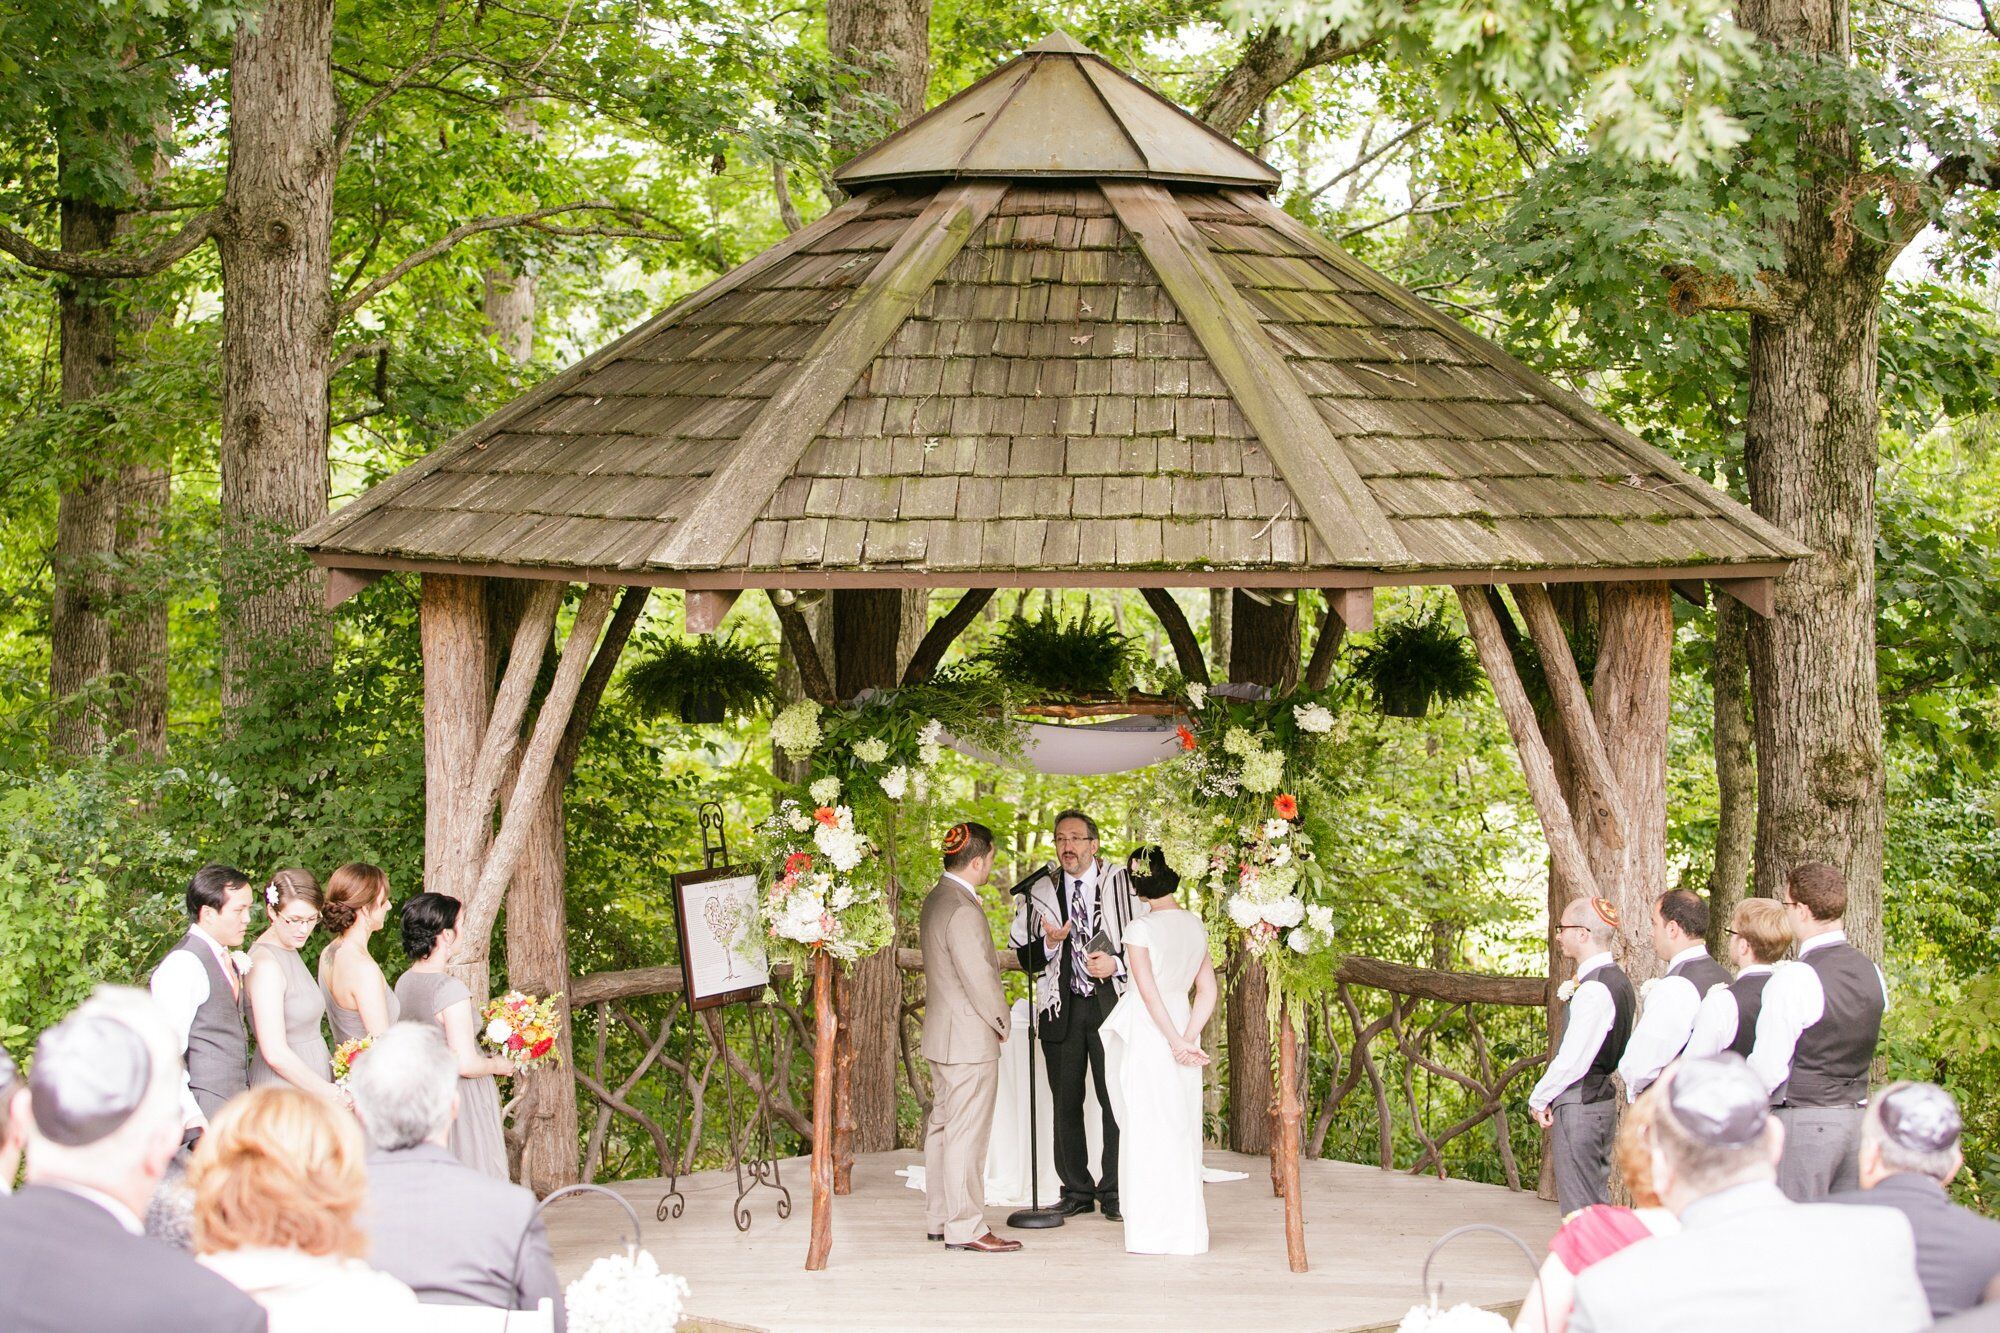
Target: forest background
261,256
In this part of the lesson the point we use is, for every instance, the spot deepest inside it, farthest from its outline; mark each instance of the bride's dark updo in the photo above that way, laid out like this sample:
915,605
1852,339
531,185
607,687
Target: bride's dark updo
1151,876
425,917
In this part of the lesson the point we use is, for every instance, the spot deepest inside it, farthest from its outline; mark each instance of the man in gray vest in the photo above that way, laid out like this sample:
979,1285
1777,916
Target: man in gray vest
1816,1036
199,986
103,1123
456,1236
1909,1153
1575,1096
1746,1258
1667,1014
1760,933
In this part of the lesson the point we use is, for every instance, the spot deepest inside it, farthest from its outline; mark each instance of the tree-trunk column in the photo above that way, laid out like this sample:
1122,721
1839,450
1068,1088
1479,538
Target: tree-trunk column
1634,663
458,699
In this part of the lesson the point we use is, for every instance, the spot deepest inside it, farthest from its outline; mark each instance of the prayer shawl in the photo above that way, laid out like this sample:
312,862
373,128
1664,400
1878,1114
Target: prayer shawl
1117,905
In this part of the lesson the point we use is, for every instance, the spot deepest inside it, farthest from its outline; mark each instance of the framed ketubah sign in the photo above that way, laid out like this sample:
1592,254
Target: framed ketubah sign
722,947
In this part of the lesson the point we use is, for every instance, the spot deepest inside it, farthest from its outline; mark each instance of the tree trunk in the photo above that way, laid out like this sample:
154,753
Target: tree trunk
87,511
1263,650
868,626
1630,692
276,336
139,645
458,701
889,43
1735,772
538,962
1810,442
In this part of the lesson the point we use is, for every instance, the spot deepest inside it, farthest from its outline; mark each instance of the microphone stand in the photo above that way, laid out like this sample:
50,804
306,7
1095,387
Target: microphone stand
1034,1217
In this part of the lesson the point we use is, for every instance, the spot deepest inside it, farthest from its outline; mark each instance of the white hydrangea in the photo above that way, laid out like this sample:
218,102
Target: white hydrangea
618,1294
1197,694
801,919
1313,718
1263,770
1244,912
798,819
796,730
826,791
1283,912
930,745
1301,940
1238,741
838,845
1319,919
896,783
872,750
1458,1319
843,896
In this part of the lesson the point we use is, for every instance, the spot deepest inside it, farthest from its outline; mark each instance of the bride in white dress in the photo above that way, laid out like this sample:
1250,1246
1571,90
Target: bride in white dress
1154,1059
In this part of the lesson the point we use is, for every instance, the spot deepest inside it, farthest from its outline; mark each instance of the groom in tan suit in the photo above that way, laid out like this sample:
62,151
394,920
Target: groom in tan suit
965,1020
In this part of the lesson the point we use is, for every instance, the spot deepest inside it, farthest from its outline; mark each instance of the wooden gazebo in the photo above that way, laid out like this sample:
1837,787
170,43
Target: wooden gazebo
1057,335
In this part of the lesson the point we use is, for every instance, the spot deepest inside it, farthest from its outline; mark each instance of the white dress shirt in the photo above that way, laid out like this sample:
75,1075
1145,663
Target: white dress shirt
963,884
1666,1020
180,985
1589,1021
1715,1023
1793,1001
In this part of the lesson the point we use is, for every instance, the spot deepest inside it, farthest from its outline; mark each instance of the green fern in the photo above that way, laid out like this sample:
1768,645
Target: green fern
697,677
1050,653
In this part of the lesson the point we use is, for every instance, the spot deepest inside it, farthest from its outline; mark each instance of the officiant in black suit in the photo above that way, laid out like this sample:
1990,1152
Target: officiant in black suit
1079,898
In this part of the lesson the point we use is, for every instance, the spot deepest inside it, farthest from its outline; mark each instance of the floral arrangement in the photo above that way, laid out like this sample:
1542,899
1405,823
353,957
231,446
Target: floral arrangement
822,891
523,1028
345,1054
1427,1318
625,1294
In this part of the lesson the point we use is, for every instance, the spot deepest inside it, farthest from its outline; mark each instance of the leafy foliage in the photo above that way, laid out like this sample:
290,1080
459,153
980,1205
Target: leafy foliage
1415,662
1052,653
697,673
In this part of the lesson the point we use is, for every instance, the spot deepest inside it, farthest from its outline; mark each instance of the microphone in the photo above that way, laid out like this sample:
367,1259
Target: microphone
1027,886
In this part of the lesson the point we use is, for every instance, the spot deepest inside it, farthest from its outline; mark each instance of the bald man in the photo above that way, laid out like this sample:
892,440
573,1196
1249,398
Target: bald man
1575,1097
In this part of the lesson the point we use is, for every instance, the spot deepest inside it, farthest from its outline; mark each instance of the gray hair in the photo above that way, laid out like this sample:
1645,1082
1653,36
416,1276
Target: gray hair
1930,1145
404,1086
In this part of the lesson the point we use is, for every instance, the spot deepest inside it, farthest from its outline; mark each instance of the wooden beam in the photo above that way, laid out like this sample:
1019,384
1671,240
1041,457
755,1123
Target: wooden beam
1326,647
1694,590
702,612
819,1242
1573,711
1760,595
342,584
1285,1143
510,702
771,444
1558,827
818,686
1315,466
939,638
1187,649
1354,606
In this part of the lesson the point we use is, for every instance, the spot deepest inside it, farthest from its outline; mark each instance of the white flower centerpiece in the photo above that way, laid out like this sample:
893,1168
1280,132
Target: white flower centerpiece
625,1294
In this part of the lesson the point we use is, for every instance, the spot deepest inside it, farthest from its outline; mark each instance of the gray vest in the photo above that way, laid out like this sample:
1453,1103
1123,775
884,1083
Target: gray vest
1830,1063
1704,972
218,1051
1749,993
1595,1085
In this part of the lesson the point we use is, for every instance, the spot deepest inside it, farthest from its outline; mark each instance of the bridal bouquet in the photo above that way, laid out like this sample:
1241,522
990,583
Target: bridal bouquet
625,1294
523,1028
821,892
1427,1318
345,1054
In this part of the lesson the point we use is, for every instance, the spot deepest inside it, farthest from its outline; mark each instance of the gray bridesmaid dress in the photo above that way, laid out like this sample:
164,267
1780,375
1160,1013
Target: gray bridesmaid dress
477,1137
346,1023
305,1006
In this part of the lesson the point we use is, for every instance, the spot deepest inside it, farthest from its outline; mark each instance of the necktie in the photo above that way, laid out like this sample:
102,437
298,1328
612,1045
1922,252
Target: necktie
1079,935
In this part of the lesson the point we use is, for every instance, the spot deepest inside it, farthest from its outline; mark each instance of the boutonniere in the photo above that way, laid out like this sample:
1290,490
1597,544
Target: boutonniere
242,961
1564,991
1646,989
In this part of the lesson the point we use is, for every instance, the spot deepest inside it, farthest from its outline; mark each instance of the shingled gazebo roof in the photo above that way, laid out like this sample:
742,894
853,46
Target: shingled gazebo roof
1058,334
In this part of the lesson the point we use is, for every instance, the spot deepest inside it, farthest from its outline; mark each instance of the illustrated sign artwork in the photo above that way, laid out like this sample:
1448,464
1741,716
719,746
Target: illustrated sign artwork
722,953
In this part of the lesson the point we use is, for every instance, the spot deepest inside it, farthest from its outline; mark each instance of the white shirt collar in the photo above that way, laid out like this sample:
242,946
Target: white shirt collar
1592,963
1691,952
1753,970
214,947
1091,873
963,885
1837,935
124,1216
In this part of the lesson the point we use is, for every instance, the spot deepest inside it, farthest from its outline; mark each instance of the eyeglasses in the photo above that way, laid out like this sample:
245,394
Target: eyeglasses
298,922
1561,929
1074,840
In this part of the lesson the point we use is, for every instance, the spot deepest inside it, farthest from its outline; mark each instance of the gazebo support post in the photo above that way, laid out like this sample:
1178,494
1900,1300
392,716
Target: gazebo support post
1605,811
1285,1151
1635,626
826,1025
1558,827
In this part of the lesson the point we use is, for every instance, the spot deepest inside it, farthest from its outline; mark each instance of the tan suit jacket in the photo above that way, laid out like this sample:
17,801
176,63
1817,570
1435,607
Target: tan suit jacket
965,1011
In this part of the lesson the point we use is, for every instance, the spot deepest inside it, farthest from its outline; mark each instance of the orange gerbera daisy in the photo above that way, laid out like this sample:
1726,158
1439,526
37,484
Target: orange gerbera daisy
1286,805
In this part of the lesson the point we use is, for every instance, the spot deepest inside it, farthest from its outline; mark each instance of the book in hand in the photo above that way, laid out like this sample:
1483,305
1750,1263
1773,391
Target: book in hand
1101,943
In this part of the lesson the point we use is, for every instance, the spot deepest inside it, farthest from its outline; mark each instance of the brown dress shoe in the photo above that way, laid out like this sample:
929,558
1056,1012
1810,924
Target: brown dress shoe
988,1244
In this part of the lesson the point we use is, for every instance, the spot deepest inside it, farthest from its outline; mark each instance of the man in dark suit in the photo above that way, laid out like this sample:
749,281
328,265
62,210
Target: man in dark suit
456,1236
104,1122
1909,1153
1068,905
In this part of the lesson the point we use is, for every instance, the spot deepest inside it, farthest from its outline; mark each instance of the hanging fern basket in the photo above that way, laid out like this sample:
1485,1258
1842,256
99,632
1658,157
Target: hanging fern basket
1403,698
704,706
1416,662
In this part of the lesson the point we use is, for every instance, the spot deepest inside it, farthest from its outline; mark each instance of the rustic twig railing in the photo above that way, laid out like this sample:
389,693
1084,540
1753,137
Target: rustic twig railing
1420,1011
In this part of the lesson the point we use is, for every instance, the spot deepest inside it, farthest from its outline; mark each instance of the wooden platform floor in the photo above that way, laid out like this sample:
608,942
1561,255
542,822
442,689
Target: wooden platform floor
1367,1232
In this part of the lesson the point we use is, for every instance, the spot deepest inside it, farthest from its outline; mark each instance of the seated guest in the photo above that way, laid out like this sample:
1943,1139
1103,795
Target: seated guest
1909,1153
455,1234
13,1126
278,1183
1601,1230
1760,933
1746,1258
104,1119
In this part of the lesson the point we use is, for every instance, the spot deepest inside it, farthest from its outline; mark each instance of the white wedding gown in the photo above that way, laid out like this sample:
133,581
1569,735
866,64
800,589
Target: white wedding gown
1158,1102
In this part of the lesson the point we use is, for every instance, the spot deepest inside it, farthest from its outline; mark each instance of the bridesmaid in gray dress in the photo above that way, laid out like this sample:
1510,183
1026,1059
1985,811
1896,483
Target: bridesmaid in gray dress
428,992
359,1002
286,1004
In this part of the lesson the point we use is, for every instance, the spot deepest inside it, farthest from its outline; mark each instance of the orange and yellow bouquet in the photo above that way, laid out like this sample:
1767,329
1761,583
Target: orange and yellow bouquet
523,1028
345,1054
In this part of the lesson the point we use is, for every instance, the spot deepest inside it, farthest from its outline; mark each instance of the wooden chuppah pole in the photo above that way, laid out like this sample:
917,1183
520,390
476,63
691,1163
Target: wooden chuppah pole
826,1025
1285,1147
